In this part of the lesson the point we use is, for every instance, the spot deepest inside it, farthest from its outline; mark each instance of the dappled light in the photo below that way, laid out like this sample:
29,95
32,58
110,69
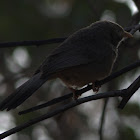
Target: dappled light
39,133
6,122
131,4
21,57
21,81
108,15
56,8
12,66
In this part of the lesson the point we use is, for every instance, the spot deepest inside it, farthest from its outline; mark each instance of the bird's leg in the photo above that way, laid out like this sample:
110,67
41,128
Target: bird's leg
95,88
75,96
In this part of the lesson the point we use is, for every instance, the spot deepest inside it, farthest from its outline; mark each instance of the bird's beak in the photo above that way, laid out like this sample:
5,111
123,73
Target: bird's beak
126,34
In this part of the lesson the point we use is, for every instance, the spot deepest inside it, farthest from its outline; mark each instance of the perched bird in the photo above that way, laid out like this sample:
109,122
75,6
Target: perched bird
84,57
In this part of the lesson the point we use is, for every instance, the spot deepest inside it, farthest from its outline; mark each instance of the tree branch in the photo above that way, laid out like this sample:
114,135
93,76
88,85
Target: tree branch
32,42
79,92
122,93
132,31
130,91
41,42
61,109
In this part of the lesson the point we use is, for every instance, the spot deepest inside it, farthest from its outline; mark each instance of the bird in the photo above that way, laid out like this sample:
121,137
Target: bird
84,57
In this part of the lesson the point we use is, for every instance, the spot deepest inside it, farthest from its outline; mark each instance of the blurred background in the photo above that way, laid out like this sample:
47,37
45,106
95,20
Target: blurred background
44,19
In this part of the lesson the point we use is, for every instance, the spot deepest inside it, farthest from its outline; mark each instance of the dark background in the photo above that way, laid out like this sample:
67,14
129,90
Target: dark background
44,19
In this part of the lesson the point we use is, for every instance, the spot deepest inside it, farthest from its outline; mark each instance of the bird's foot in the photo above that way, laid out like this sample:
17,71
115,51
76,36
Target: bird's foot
95,88
75,95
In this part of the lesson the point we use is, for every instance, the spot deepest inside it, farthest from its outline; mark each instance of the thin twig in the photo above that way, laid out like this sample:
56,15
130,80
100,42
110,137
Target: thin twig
128,29
49,103
79,92
133,30
61,109
40,42
123,93
32,42
131,90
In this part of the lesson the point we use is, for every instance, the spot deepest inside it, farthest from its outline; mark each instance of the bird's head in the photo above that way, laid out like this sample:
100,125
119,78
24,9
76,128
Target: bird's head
116,32
111,31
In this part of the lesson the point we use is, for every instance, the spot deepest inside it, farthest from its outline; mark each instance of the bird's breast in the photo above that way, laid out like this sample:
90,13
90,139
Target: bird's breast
83,74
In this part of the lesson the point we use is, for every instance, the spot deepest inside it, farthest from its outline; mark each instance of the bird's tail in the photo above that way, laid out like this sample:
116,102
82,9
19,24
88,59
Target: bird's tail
22,93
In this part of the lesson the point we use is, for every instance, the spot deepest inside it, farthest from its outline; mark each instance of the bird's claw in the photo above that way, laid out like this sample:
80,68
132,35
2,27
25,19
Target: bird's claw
75,95
95,88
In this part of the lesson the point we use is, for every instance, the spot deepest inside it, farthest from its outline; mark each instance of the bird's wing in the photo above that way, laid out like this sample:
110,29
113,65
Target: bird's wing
74,52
